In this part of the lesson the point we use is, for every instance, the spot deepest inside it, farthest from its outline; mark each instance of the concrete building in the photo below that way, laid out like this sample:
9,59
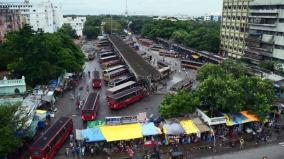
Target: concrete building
42,15
77,23
233,27
12,91
10,20
212,17
265,37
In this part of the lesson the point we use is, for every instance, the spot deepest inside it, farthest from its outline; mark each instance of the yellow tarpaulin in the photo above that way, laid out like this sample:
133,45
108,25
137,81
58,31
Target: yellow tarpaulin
195,56
189,127
121,132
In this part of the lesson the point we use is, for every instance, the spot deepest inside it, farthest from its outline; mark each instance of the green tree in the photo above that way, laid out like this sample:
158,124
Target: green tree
112,25
9,122
92,27
68,30
179,105
40,56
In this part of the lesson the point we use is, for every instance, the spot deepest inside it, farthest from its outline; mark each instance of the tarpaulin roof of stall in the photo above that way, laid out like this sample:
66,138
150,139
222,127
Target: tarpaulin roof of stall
189,127
93,135
173,129
250,116
122,132
200,125
149,129
95,123
236,119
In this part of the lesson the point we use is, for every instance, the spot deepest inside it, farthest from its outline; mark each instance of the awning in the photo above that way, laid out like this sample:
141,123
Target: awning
122,132
95,123
173,129
195,56
149,129
189,127
78,134
93,135
201,125
235,119
250,116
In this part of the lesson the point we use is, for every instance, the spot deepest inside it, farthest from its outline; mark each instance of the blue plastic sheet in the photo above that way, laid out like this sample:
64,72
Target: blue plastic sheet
93,135
149,129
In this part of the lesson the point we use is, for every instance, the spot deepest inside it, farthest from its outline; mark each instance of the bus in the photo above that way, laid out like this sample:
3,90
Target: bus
107,59
120,88
168,53
191,64
50,142
121,80
91,107
96,83
115,74
103,43
106,65
162,64
165,72
106,54
111,69
125,98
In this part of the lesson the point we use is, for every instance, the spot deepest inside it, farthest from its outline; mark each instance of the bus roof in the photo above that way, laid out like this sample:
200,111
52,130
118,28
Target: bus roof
91,100
114,89
109,57
164,69
43,141
124,93
116,71
114,68
106,53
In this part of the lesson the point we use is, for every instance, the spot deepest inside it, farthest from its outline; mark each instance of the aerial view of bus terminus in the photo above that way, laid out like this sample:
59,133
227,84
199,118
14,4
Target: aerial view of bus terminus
119,79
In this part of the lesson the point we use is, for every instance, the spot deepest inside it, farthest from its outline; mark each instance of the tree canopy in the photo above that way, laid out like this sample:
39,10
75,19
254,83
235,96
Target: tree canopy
9,122
68,30
201,36
40,56
92,27
178,105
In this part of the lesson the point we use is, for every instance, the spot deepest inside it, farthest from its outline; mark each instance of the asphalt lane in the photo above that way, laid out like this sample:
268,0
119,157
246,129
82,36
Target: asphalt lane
275,151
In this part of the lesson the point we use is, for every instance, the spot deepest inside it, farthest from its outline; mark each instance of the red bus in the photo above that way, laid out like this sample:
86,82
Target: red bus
125,98
51,141
120,88
91,107
96,83
107,59
191,64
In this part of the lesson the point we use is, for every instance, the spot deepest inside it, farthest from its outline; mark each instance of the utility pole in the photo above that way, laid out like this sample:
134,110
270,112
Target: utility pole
110,24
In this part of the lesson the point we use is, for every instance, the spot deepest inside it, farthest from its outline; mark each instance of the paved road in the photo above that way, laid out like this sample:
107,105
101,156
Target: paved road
275,151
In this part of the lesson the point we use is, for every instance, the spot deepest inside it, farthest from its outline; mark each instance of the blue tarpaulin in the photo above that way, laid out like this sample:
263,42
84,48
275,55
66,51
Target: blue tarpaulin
149,129
93,135
52,84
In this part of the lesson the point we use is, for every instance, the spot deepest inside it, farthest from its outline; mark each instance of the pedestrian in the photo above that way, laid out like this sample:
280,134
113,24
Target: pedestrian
83,151
67,151
92,151
73,151
71,136
78,150
71,144
89,74
242,141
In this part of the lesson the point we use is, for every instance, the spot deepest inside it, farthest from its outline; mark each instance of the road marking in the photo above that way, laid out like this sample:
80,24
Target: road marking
281,143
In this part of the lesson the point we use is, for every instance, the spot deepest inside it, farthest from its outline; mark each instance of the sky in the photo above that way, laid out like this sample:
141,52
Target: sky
139,7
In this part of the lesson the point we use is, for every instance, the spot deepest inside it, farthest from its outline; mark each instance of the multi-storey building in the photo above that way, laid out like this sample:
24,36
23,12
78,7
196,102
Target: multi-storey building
42,15
212,17
233,27
10,20
77,23
265,37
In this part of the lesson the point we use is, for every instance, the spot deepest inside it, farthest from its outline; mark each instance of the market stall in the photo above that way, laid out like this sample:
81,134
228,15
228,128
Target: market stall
149,129
95,123
93,135
121,132
189,127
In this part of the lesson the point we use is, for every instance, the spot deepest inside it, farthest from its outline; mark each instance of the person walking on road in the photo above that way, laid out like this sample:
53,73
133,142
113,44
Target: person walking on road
73,151
242,142
83,151
67,151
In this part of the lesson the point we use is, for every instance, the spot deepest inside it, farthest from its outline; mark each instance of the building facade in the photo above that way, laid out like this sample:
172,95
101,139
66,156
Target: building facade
10,20
77,23
42,15
234,27
212,17
265,37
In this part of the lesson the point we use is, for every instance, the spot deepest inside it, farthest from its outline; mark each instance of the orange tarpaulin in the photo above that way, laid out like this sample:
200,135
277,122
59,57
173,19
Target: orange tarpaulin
250,116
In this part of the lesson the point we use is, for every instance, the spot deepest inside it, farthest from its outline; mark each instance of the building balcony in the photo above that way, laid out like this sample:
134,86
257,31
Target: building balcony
263,11
267,17
257,51
264,25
